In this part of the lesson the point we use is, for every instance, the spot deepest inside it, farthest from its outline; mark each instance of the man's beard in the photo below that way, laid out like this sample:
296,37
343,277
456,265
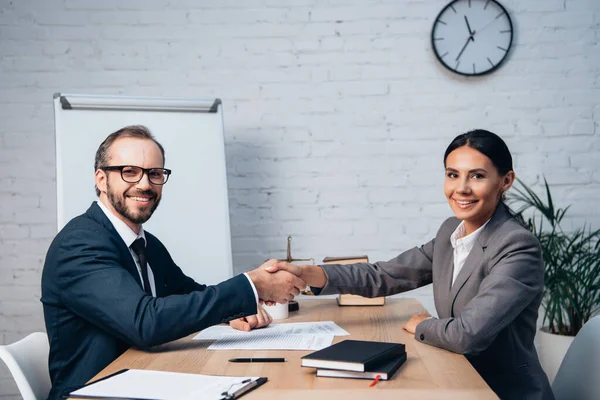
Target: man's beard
118,203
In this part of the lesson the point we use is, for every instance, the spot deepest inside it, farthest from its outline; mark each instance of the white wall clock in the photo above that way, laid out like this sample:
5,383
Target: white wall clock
472,37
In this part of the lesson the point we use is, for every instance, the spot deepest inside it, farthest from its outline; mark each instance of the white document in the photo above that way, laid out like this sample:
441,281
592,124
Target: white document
321,327
290,336
161,385
295,328
277,342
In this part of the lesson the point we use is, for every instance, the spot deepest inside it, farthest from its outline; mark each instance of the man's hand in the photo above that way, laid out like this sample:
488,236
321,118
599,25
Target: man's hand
275,266
284,266
260,320
279,287
313,275
411,325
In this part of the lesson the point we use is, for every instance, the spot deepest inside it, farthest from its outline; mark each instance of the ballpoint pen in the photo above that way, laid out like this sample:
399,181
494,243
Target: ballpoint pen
256,359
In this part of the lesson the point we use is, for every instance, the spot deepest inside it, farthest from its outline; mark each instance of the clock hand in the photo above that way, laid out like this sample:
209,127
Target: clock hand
464,47
471,33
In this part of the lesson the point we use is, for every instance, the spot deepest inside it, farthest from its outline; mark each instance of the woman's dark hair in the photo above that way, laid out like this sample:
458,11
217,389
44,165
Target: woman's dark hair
494,148
488,144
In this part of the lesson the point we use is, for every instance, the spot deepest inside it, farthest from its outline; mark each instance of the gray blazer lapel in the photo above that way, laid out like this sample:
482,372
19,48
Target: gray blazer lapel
473,261
444,286
443,265
475,257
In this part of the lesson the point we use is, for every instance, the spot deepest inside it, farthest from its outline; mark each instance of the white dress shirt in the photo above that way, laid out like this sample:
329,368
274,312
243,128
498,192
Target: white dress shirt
130,236
463,245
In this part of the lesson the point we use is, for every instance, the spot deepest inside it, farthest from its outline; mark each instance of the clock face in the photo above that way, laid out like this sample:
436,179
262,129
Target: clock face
472,37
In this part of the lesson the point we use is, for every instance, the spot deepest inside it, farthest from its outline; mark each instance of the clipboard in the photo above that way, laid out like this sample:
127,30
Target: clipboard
224,387
245,389
74,396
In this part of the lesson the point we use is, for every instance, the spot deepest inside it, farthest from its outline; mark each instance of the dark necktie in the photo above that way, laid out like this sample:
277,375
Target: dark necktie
139,247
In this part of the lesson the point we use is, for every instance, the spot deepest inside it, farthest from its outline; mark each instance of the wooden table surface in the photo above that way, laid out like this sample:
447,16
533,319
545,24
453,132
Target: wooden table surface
428,373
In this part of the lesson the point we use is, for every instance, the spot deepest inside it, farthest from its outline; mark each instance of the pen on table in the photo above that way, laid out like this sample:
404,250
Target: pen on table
255,359
375,381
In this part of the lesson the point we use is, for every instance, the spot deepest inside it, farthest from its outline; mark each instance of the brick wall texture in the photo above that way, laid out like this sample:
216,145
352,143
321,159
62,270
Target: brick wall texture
336,113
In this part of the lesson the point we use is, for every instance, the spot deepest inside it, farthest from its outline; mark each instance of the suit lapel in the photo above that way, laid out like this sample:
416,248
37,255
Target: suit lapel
475,257
154,263
96,214
473,260
443,289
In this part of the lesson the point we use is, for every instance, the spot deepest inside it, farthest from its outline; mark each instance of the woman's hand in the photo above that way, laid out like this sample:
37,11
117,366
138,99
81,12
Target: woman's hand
285,266
313,275
260,320
411,325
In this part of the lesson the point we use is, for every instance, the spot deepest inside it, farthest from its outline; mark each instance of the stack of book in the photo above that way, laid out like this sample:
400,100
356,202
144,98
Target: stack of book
353,299
357,359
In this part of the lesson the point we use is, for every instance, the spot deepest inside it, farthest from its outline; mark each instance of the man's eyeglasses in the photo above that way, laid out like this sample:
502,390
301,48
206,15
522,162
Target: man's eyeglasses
133,174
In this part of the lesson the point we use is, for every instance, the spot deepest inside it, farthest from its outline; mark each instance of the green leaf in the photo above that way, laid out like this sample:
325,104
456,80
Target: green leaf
571,261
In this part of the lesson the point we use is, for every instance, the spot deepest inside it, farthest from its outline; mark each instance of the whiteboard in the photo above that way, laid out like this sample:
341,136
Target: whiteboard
192,219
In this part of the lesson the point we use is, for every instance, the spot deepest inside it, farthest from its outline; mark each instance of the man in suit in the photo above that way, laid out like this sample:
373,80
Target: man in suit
107,284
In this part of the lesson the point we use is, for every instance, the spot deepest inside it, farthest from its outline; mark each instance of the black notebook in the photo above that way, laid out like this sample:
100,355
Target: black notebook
353,355
385,370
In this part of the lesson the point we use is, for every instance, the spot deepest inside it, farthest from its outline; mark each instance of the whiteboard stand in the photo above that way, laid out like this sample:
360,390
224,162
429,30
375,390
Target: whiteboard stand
192,219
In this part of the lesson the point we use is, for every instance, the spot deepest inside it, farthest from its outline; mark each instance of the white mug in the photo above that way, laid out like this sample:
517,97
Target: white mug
278,311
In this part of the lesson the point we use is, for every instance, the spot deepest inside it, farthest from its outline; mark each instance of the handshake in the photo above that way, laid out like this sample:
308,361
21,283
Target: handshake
277,281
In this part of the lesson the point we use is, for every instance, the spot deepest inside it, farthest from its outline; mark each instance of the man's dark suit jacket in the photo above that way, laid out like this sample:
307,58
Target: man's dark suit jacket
95,307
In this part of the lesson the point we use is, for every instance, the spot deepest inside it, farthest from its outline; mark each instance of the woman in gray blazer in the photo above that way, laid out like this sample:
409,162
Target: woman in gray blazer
486,269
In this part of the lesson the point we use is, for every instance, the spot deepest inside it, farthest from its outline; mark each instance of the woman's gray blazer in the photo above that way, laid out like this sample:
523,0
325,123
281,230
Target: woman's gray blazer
489,314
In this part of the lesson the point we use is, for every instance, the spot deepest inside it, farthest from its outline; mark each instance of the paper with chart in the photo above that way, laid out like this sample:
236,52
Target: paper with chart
146,384
291,336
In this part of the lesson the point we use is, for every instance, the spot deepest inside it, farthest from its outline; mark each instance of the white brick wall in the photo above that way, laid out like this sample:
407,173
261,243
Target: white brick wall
336,114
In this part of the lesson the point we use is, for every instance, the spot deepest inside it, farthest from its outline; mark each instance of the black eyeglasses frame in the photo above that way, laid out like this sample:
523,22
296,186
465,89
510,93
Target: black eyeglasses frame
165,171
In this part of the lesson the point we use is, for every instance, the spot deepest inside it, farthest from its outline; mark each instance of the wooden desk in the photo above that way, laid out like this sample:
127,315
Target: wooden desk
429,372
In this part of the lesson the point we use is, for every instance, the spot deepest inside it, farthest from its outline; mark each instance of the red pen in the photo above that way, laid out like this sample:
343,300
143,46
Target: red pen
375,381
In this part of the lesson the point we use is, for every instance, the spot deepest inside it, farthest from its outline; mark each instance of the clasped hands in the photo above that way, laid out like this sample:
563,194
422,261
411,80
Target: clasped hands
279,281
275,282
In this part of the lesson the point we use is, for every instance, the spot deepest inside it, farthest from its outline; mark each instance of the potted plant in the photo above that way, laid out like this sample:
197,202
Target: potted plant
571,273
